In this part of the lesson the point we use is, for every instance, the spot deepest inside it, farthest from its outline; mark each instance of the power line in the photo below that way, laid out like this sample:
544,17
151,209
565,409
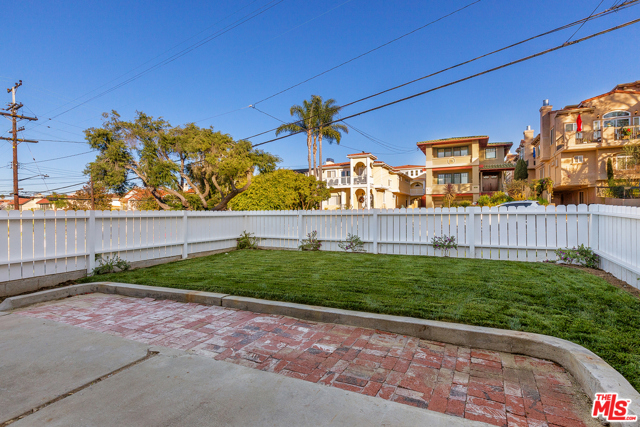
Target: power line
599,15
370,137
146,62
64,157
582,25
185,51
518,61
369,51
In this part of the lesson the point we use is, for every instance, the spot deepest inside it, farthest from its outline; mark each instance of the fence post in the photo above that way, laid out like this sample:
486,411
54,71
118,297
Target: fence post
375,231
185,235
300,227
594,225
91,242
471,232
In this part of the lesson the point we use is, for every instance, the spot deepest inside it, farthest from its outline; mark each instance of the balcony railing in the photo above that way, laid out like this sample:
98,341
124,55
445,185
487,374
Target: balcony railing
333,182
417,191
587,137
359,180
627,132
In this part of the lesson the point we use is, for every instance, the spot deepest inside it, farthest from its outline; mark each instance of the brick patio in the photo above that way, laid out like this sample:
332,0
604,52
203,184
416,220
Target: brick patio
498,388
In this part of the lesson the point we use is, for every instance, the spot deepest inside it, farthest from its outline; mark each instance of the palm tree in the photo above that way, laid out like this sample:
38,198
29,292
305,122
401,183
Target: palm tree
326,113
305,115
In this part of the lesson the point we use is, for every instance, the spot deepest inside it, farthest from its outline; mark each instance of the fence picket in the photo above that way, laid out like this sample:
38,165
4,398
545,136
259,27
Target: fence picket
45,243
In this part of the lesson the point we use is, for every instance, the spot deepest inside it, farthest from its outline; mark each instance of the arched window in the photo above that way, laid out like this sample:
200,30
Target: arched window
617,119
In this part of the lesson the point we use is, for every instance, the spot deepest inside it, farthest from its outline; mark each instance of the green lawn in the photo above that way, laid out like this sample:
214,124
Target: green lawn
533,297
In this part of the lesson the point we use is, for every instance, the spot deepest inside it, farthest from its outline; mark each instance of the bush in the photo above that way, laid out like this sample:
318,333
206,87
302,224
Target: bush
445,244
247,241
582,255
517,189
311,243
498,198
484,201
353,244
462,204
110,265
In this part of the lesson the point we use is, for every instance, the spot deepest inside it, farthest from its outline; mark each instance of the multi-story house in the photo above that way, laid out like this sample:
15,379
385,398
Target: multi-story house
576,142
472,164
364,182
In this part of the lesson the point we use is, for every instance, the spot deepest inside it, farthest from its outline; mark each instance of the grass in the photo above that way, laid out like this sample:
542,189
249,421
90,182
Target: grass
533,297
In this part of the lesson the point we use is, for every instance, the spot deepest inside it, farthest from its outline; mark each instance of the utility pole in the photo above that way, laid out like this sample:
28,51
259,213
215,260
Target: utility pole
13,107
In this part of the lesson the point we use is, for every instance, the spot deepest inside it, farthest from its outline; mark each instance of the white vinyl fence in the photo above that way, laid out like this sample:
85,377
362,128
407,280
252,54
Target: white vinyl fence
44,243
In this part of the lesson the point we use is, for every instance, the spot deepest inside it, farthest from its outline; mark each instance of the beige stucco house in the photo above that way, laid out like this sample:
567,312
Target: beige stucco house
575,160
364,182
472,164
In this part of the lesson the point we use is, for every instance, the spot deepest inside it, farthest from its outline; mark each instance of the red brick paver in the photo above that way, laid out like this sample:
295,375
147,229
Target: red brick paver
497,388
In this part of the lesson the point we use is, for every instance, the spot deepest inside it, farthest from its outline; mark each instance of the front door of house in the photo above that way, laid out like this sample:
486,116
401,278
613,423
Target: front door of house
490,182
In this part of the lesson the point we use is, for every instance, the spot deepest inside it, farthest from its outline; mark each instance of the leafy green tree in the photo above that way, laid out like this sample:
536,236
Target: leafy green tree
609,170
521,171
326,112
282,190
306,115
164,158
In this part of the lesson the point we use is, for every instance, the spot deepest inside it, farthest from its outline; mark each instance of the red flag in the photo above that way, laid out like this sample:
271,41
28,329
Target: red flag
579,123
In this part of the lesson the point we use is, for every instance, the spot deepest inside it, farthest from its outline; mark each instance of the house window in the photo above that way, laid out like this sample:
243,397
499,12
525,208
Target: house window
552,136
596,125
490,153
624,162
455,152
345,173
453,178
570,127
577,159
335,200
331,174
617,119
636,121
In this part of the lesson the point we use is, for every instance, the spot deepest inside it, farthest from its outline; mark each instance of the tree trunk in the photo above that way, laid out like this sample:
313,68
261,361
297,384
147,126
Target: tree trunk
231,194
309,150
320,154
315,150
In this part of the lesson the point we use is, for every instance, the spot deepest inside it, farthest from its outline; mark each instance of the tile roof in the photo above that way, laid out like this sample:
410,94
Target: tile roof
408,166
453,139
499,166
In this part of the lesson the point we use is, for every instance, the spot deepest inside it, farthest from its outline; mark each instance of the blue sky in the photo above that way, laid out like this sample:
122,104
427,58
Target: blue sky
65,51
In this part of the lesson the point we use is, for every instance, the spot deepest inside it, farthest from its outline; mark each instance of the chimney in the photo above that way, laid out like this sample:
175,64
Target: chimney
330,161
545,103
528,135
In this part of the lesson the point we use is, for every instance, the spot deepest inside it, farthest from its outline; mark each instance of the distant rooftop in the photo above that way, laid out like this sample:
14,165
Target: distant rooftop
454,139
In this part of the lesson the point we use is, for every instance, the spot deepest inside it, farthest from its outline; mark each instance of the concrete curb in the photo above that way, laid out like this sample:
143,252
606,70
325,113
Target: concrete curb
593,374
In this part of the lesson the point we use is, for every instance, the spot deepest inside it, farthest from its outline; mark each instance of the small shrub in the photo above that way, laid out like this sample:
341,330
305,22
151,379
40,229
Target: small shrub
484,200
582,255
445,244
499,197
311,243
462,204
247,241
352,244
110,265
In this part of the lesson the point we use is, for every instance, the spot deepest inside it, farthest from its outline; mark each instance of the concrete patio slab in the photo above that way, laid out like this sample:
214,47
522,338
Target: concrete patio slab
41,360
190,390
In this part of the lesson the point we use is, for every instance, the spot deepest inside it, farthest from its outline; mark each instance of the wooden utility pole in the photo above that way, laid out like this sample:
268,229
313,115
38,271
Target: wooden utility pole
13,107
